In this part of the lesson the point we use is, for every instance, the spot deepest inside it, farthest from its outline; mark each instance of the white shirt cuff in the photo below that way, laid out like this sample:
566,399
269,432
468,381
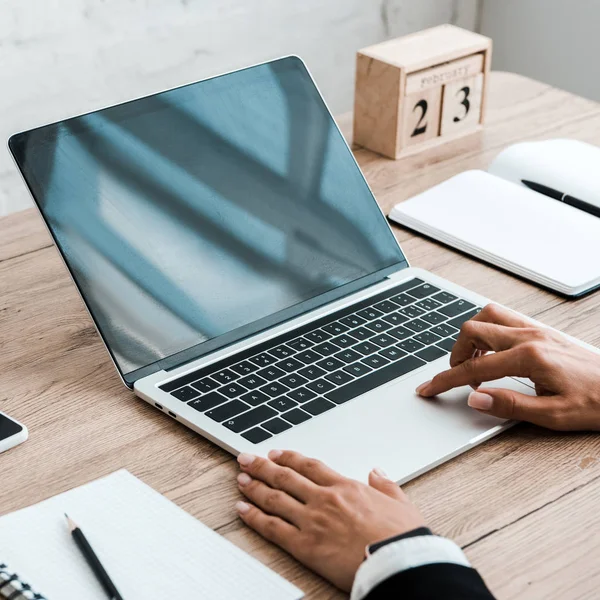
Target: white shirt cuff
403,555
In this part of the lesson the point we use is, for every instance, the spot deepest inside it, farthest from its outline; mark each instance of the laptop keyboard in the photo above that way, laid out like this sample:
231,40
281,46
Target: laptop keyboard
288,380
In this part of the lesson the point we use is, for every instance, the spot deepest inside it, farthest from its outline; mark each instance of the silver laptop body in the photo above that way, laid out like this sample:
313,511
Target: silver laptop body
244,280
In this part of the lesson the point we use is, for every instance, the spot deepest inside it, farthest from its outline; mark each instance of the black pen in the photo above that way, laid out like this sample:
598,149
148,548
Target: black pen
570,200
93,561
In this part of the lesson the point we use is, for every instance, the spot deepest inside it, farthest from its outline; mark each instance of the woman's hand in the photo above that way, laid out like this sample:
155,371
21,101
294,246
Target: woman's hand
319,517
566,376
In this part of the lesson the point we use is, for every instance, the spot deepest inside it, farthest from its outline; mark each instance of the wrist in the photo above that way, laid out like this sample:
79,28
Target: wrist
418,531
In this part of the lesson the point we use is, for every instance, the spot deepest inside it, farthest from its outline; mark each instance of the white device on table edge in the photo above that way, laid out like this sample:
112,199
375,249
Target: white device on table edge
244,280
12,433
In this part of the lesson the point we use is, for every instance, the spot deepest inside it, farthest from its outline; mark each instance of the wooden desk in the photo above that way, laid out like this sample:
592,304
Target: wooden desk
524,505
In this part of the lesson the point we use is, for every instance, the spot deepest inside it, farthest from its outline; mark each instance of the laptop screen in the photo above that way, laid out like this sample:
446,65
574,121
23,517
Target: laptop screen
193,218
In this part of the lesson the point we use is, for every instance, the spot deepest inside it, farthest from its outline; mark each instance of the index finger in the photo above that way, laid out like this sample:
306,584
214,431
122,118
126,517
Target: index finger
499,315
477,370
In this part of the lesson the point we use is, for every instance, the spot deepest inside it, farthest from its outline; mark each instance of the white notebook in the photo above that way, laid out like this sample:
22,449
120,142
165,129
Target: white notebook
492,216
152,549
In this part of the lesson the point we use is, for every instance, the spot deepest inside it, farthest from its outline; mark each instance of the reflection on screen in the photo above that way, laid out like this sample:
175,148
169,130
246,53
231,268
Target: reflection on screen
199,211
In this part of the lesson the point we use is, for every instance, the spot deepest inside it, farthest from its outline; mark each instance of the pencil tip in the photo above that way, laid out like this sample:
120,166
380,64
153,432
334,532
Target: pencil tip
72,525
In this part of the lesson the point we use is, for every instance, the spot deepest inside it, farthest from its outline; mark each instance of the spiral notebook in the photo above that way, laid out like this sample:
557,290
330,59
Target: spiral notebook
151,548
12,587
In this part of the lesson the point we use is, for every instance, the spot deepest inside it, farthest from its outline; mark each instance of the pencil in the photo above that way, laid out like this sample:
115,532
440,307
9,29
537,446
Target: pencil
93,561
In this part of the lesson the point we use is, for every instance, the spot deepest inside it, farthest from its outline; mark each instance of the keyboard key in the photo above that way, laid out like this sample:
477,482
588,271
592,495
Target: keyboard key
434,318
299,344
205,385
296,416
330,364
318,406
207,402
244,368
362,333
348,356
402,299
400,333
428,304
254,398
458,321
276,425
431,353
423,290
226,411
326,349
366,348
250,419
410,346
294,380
308,356
317,336
281,352
185,393
456,308
379,326
289,365
344,340
320,386
447,344
357,369
407,285
384,340
312,372
427,338
340,377
375,361
263,360
274,389
395,318
335,328
444,330
301,395
411,311
374,379
225,376
252,381
444,297
352,321
233,390
271,373
282,404
256,435
369,313
418,325
386,306
392,353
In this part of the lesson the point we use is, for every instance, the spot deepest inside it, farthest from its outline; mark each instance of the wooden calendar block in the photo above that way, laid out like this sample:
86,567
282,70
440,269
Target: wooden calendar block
461,105
421,119
403,85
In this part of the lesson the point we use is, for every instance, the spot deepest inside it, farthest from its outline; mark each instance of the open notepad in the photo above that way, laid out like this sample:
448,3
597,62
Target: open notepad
151,548
492,216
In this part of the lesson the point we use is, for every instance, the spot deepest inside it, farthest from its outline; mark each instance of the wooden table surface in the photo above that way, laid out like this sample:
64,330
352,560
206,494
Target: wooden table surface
524,505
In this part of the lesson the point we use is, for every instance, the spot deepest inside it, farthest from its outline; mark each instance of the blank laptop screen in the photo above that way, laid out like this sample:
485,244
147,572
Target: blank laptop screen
195,217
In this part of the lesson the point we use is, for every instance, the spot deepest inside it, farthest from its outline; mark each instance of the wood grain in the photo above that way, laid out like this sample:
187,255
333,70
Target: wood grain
523,503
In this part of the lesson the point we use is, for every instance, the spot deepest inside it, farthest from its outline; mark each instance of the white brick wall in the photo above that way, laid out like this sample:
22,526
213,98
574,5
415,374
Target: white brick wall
63,57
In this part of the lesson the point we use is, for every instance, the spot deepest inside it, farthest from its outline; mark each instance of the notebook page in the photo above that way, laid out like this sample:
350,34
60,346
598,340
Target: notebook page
511,226
151,548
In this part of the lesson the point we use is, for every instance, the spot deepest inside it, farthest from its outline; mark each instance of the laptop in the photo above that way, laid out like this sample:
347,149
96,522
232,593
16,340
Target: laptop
243,278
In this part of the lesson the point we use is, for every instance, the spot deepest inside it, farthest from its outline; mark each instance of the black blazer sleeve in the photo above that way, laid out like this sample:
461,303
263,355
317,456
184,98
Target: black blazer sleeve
439,581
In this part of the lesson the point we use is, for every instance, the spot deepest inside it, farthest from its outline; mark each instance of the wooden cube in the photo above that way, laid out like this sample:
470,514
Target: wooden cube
408,90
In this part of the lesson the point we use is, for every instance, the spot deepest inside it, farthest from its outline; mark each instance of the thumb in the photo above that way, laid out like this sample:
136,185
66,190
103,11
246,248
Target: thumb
508,404
380,481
